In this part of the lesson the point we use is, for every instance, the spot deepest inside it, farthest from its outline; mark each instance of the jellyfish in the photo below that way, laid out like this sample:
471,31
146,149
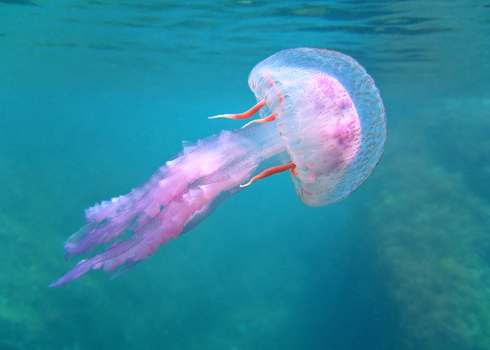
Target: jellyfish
321,118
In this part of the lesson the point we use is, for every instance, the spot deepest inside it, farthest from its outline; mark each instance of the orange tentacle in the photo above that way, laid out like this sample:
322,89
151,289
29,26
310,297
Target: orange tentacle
262,120
243,115
271,171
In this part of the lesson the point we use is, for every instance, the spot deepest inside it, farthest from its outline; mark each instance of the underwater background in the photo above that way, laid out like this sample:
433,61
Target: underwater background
96,95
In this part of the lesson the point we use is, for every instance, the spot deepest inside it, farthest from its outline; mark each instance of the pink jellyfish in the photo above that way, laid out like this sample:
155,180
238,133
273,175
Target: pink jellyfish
322,119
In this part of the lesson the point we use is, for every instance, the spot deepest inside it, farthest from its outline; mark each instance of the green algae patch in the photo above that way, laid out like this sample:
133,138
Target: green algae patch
432,234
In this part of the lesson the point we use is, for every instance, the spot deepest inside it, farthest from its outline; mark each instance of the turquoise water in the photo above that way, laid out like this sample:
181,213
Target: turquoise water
96,95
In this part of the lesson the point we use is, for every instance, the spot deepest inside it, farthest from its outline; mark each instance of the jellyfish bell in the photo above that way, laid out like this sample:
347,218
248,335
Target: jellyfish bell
330,116
322,119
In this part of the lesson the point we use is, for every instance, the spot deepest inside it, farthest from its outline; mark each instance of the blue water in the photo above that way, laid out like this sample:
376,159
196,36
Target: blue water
96,95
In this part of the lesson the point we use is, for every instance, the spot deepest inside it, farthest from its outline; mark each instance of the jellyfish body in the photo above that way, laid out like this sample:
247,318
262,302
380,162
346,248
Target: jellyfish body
325,123
330,115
